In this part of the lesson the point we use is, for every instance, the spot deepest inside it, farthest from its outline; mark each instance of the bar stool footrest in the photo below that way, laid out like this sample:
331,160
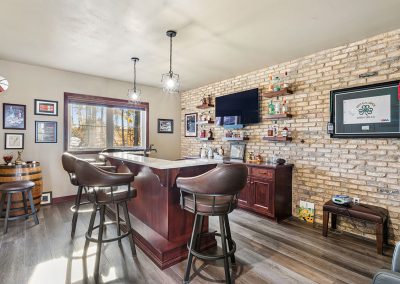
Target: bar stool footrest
73,207
20,216
212,257
110,239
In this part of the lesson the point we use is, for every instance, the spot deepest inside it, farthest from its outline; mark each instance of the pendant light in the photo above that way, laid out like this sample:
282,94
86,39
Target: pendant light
170,80
134,94
3,84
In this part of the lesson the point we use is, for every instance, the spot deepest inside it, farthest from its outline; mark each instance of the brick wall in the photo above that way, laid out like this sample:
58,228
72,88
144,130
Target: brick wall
367,168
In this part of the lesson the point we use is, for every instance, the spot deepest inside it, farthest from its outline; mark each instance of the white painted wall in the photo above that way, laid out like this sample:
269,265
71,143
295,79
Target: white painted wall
29,82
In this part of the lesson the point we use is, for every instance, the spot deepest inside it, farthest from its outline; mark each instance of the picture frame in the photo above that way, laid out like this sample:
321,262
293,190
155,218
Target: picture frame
45,131
47,198
13,141
46,107
368,111
191,125
237,151
14,116
165,125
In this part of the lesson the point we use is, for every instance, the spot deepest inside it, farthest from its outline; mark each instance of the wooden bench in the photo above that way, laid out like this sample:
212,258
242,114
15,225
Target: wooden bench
370,213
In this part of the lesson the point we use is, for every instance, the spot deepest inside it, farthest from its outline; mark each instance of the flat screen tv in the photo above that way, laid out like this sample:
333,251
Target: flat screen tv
242,107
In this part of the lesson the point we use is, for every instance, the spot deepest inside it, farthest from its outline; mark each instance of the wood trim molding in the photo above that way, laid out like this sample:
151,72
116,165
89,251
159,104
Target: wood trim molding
62,199
98,100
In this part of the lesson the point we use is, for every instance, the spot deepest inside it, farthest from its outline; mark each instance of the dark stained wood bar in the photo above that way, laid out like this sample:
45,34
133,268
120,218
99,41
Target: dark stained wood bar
161,227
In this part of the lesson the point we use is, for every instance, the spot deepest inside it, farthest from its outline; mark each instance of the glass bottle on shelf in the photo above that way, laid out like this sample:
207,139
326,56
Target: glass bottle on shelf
277,106
285,131
277,83
271,108
284,106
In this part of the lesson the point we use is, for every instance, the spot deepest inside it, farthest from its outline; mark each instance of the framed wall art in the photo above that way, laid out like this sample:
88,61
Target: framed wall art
191,125
237,151
165,125
14,116
366,111
45,107
47,198
13,141
45,132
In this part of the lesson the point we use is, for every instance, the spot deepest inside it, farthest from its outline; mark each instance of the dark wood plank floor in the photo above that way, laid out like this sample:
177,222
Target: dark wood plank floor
290,252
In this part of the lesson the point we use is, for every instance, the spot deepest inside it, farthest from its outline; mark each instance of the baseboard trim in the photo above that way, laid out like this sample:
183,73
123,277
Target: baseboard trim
62,199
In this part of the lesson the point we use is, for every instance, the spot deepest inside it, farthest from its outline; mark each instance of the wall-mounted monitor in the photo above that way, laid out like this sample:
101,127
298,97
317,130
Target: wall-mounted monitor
244,105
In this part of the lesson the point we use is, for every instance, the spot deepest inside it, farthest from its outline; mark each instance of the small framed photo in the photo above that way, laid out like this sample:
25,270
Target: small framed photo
14,116
191,125
165,125
13,141
45,107
45,132
47,198
237,151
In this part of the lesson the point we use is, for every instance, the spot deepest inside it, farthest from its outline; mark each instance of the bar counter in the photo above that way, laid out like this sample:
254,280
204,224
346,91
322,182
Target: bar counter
161,227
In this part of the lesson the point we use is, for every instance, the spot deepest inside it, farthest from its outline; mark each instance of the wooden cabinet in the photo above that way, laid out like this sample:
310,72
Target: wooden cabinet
268,191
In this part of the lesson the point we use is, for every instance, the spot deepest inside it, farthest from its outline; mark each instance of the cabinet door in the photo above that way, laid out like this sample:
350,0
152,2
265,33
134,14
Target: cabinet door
244,197
263,201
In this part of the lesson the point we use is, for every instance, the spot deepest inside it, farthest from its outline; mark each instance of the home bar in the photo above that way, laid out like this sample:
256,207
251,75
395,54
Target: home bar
200,142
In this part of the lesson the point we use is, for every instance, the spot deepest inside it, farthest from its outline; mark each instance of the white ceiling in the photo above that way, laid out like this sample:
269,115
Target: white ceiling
217,39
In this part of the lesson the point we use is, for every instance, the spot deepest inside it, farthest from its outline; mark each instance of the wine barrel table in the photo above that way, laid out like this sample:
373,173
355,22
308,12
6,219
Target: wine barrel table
30,171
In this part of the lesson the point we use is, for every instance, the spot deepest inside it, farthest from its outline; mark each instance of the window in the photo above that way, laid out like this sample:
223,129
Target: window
94,123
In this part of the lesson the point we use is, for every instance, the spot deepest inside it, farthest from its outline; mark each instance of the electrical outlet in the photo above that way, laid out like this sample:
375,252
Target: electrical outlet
356,200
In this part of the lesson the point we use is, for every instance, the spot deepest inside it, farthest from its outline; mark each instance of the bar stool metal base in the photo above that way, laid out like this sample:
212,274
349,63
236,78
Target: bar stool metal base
102,226
225,234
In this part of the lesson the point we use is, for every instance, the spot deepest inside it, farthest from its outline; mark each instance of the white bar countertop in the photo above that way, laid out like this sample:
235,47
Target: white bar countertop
160,163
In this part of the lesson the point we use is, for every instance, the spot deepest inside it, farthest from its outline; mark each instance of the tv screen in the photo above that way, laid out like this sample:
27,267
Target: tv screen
244,106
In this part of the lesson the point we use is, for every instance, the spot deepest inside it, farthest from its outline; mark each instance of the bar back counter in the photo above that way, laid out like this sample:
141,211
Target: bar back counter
161,227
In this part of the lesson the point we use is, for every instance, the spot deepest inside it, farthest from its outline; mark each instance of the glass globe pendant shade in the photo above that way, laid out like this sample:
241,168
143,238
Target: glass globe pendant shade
3,84
134,96
170,83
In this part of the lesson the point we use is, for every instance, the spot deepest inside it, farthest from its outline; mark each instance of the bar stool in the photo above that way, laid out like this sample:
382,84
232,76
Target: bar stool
68,162
105,188
7,190
213,193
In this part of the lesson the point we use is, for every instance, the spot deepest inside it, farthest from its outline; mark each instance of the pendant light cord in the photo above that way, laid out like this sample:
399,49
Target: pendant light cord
134,76
170,56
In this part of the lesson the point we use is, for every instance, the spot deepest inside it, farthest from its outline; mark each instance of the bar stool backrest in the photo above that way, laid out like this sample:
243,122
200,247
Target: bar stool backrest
68,162
225,179
92,176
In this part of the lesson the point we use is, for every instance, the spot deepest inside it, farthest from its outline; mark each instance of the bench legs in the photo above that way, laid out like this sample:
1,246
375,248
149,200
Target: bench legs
379,238
381,230
325,224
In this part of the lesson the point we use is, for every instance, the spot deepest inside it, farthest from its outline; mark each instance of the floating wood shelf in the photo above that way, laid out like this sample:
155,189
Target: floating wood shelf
206,122
205,139
283,92
235,138
278,116
234,126
205,106
277,139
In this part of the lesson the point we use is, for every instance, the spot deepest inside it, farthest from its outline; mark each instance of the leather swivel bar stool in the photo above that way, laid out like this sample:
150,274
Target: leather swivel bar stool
68,162
7,190
213,193
105,188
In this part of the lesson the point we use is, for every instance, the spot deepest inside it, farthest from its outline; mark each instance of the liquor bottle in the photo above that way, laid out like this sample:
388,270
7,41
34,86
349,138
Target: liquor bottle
271,108
275,129
285,131
277,107
284,106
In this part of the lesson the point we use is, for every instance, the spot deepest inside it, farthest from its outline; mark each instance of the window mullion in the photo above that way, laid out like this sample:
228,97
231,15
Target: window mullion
110,128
